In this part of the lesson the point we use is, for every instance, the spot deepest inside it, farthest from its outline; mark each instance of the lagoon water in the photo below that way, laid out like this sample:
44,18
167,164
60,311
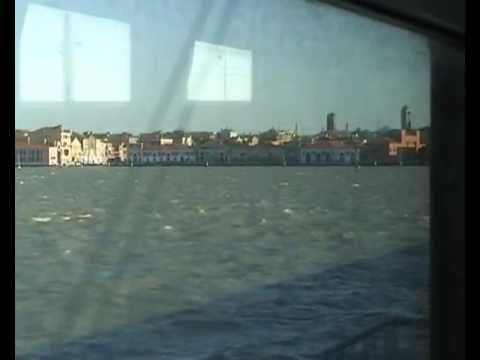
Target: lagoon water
214,263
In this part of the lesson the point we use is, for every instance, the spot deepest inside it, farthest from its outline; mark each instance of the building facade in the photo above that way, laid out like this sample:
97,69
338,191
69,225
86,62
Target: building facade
65,147
150,155
57,137
398,147
35,155
329,154
255,155
77,151
94,151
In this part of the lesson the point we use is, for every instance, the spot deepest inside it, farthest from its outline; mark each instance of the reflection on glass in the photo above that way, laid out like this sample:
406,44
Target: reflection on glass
68,55
220,73
101,59
41,59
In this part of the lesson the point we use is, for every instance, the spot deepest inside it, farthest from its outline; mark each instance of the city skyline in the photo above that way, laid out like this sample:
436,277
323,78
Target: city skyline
293,129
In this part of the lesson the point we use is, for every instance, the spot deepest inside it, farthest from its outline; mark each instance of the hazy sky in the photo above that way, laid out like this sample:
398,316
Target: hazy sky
307,60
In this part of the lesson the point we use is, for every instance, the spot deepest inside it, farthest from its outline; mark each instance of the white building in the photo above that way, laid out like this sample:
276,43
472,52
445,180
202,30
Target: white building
187,140
166,141
65,147
95,151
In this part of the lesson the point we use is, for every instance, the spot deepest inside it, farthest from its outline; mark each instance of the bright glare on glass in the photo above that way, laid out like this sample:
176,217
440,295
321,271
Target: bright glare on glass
70,56
41,60
220,73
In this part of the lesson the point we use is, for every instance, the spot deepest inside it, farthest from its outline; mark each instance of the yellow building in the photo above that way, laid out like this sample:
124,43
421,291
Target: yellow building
77,151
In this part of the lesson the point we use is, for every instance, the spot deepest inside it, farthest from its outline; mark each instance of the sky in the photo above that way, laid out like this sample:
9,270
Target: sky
132,61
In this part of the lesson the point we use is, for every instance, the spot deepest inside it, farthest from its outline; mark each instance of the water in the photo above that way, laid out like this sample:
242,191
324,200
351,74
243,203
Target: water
214,263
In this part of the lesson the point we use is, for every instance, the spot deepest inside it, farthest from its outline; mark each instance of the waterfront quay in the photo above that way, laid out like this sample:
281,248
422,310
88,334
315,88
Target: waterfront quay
57,146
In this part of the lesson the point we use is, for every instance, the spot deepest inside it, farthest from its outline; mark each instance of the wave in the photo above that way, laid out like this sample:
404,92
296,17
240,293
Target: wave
42,219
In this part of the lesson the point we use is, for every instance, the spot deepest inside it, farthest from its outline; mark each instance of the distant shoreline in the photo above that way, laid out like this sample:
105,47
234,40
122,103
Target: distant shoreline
223,165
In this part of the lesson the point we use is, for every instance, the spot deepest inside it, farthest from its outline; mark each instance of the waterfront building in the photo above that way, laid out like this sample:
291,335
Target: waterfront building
66,148
214,154
57,137
255,155
134,153
403,140
168,154
376,151
394,147
329,153
77,149
119,145
95,149
35,155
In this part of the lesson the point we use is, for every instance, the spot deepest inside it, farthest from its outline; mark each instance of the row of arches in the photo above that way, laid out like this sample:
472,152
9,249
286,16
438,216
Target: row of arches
164,157
327,157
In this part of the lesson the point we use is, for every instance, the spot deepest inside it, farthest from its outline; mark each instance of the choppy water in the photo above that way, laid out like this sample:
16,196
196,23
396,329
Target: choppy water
224,263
